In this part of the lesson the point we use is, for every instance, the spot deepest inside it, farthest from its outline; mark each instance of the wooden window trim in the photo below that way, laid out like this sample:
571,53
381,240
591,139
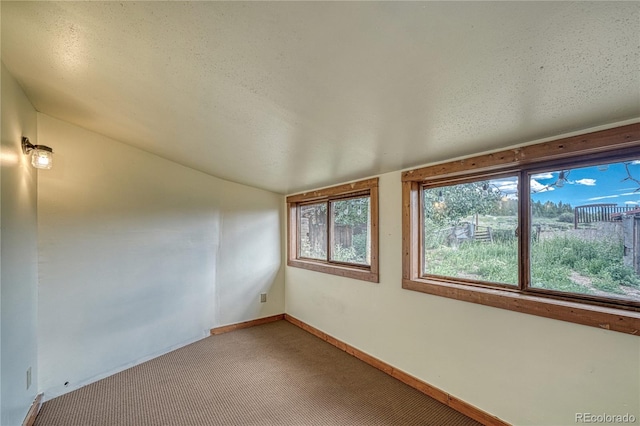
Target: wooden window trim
365,187
605,144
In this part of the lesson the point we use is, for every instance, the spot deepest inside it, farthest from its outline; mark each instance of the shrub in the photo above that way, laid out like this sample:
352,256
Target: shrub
566,218
622,275
360,245
504,235
346,254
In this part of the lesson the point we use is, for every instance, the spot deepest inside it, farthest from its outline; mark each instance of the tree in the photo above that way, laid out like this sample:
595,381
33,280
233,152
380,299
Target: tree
447,205
352,211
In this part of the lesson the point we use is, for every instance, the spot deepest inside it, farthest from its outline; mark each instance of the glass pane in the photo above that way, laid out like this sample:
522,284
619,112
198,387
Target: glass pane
585,230
313,231
470,230
350,232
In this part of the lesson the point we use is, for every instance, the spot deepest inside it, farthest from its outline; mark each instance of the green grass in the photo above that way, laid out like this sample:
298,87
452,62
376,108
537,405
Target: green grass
497,262
597,265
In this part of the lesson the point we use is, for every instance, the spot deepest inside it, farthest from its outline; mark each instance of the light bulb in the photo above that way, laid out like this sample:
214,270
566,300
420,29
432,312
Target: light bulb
41,159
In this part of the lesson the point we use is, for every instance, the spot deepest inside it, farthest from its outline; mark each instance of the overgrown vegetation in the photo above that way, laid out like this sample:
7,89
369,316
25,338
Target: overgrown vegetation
561,258
349,223
558,263
497,262
355,253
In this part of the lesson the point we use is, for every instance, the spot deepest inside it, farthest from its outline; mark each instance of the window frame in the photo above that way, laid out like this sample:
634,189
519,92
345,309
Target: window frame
368,187
596,147
455,181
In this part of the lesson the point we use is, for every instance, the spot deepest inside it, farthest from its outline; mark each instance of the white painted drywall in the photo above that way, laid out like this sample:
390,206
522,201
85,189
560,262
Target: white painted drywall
525,369
139,255
18,249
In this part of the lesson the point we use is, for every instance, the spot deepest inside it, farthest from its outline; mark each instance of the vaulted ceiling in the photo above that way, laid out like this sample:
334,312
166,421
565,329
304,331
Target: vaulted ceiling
288,96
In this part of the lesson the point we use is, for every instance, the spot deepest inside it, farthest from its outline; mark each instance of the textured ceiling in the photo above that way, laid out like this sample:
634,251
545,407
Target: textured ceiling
289,96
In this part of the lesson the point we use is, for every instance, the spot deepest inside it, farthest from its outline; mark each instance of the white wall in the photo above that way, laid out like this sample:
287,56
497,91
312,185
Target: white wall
139,255
18,249
525,369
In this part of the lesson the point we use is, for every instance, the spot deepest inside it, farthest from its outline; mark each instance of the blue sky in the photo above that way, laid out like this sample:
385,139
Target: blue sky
585,185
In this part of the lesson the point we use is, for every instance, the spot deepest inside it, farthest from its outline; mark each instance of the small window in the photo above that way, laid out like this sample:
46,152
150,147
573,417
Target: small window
351,231
312,233
335,230
551,229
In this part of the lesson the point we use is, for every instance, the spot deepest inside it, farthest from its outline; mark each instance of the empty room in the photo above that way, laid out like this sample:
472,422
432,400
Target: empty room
320,213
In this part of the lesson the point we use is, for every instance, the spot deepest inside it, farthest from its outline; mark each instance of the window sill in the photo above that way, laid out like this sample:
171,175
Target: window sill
609,318
356,273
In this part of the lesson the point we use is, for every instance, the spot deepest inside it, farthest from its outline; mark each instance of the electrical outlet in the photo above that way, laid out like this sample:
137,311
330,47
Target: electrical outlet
263,297
28,377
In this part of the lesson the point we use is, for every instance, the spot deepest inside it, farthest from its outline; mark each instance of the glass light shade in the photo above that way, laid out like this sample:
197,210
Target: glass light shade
41,159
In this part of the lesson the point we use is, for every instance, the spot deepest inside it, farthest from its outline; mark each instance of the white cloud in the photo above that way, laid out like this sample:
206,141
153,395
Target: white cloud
586,182
538,187
501,182
603,197
633,203
626,194
508,186
543,176
635,162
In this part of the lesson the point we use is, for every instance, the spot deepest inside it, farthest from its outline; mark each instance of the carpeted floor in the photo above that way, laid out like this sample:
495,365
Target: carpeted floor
273,374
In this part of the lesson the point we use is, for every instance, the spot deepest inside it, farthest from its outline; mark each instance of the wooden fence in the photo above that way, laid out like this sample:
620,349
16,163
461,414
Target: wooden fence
598,213
316,234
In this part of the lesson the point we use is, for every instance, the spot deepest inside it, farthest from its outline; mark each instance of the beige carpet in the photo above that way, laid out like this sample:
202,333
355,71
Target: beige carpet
274,374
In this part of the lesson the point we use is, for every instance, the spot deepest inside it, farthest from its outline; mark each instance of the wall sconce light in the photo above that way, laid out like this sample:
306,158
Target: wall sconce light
41,155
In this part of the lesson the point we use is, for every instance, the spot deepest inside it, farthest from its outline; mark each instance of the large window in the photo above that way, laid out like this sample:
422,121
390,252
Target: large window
470,230
584,229
550,229
335,230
